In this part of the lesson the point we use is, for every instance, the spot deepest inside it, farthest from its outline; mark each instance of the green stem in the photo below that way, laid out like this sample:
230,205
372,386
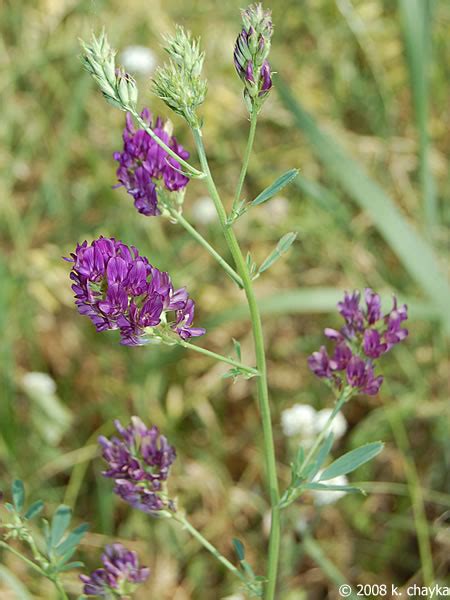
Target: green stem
204,542
191,171
201,240
263,394
60,589
225,359
26,560
248,151
340,402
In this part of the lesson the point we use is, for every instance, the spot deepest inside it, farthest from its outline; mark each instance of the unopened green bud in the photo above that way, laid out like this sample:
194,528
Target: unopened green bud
179,84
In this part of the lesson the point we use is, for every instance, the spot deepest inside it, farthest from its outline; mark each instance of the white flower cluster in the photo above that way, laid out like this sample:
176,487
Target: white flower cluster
306,422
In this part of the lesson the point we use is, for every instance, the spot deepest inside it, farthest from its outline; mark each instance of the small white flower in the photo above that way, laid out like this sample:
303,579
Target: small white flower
299,420
338,425
204,211
324,497
38,384
138,59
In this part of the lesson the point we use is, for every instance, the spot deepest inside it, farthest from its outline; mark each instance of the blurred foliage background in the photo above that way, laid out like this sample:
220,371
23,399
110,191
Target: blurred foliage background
370,211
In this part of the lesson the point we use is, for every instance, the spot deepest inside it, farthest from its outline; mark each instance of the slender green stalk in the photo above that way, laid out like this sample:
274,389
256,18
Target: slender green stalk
26,560
340,402
263,394
225,359
248,151
191,171
204,542
60,589
201,240
314,551
417,499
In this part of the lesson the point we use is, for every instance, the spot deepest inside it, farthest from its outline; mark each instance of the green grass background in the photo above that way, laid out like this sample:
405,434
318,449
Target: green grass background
360,106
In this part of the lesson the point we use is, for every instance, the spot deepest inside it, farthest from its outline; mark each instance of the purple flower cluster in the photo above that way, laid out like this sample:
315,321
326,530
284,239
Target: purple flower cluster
118,289
144,165
366,335
120,575
245,66
251,51
139,463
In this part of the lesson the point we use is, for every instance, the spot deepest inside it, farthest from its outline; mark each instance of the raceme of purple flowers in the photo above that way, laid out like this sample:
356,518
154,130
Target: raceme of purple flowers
139,462
245,66
252,48
119,289
120,575
366,335
144,165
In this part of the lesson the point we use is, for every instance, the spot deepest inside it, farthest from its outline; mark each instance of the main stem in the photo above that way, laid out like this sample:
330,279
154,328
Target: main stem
263,394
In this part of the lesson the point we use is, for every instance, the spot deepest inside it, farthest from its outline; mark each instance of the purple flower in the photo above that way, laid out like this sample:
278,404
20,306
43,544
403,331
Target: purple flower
185,317
319,363
139,461
119,289
372,344
356,372
373,303
144,165
365,337
120,575
350,310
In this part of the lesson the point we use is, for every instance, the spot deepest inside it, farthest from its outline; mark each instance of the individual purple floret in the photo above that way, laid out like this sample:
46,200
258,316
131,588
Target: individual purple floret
139,462
119,289
366,336
144,165
120,575
251,51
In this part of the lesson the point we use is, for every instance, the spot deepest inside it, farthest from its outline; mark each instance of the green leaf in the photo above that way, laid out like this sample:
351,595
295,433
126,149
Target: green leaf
351,461
237,348
72,565
415,253
18,495
276,186
72,540
282,247
239,549
60,522
34,510
350,489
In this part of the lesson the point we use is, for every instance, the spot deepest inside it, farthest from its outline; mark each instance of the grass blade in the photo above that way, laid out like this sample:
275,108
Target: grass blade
414,252
416,22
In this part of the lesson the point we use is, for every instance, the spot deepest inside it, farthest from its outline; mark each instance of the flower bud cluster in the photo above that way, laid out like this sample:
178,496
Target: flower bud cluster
179,83
118,87
139,462
251,53
366,335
